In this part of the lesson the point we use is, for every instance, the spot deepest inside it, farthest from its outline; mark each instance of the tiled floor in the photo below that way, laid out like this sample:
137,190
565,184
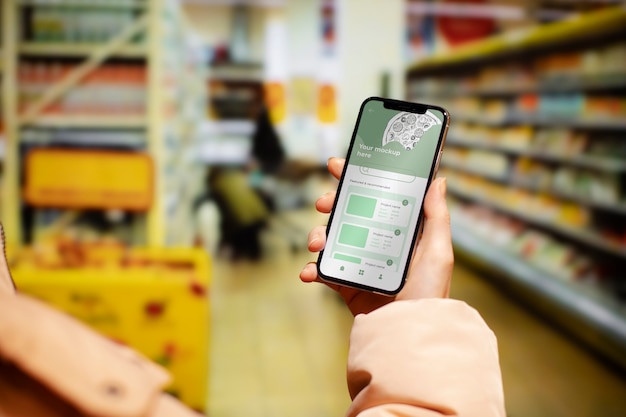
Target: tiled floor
279,347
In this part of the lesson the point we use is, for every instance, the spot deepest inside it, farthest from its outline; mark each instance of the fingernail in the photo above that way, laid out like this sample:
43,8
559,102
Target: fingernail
443,186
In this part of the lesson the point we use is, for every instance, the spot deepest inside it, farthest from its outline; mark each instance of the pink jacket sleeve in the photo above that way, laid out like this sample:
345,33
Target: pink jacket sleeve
51,365
432,357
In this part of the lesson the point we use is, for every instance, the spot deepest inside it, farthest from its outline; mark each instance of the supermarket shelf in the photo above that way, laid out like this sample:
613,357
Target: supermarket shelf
494,176
617,208
84,138
595,314
478,118
244,72
534,120
151,33
87,143
583,161
56,49
234,127
585,237
591,315
554,120
111,4
601,23
96,122
600,82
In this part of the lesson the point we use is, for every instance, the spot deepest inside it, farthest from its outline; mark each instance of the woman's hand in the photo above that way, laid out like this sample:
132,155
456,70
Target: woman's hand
431,265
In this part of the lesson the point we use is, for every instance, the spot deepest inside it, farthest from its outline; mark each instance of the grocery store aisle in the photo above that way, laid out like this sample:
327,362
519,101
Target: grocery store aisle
279,347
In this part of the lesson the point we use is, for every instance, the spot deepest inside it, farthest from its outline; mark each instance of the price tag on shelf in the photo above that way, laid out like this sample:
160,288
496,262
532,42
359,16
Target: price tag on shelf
84,179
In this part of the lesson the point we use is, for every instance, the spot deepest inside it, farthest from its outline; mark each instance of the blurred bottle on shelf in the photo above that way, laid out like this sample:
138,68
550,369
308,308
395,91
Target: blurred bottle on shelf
81,21
112,89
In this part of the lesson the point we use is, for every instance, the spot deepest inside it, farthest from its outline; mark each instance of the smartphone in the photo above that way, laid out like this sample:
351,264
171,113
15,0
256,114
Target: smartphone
376,219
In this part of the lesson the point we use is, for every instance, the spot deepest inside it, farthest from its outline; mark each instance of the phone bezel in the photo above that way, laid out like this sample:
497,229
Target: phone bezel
399,105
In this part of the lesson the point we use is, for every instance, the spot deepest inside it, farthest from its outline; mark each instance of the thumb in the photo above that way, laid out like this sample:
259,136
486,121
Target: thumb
437,218
433,260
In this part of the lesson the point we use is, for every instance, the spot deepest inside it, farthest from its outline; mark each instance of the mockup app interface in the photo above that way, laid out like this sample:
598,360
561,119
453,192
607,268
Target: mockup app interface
379,205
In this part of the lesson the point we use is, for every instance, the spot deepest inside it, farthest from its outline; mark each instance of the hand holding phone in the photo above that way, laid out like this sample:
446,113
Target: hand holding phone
376,217
430,269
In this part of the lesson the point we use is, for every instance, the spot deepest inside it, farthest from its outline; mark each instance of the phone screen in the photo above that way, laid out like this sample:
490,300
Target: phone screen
375,221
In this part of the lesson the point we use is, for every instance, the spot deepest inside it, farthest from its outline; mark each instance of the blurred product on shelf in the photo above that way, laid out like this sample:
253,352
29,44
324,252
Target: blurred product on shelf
596,67
527,173
556,257
563,142
527,203
560,161
575,109
80,21
112,89
487,163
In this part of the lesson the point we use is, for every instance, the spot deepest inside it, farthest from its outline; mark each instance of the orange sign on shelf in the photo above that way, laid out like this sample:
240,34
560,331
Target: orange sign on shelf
276,101
89,179
327,104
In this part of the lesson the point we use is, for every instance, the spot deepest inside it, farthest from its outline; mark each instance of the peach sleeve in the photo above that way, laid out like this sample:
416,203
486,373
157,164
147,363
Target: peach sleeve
66,369
52,365
431,357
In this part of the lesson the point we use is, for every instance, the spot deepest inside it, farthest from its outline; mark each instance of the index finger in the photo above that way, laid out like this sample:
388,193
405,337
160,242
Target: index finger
335,166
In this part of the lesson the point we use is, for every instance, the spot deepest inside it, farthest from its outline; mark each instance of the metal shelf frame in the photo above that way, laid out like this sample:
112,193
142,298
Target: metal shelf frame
599,163
151,17
585,237
598,319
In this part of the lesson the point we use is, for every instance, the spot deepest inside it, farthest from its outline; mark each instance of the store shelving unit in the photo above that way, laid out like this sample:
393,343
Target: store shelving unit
1,111
9,171
76,50
110,80
73,76
101,122
569,303
236,89
181,85
536,165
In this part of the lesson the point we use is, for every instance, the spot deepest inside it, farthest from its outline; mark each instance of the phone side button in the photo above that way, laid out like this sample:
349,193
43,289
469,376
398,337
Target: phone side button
438,161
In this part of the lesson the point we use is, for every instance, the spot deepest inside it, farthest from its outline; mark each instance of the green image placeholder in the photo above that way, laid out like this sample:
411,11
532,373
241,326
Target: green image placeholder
353,235
361,206
347,258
